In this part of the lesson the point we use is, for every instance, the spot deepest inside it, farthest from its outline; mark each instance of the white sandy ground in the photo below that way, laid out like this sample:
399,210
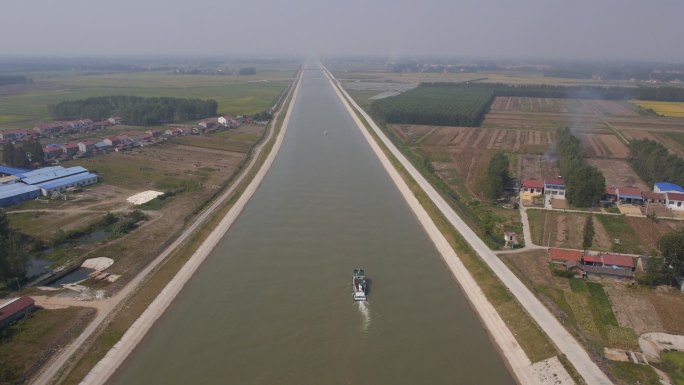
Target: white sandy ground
52,369
99,263
652,344
517,359
118,353
143,197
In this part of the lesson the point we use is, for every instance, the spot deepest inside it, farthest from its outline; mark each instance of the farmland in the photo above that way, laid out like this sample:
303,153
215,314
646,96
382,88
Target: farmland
602,312
23,107
670,109
558,229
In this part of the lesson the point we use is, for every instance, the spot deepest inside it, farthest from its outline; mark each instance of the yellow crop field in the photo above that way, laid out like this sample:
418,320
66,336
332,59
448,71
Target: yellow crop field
672,109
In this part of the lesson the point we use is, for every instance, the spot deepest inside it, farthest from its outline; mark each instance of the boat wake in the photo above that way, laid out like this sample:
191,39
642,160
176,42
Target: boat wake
365,312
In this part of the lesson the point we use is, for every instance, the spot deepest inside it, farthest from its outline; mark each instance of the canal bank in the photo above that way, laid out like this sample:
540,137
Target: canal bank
272,302
564,342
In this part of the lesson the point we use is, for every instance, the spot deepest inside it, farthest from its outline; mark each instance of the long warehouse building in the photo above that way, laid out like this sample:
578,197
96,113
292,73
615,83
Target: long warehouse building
62,184
51,173
14,193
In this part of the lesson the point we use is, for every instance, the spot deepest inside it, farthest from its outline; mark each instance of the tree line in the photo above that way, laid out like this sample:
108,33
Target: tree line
444,106
136,110
14,258
14,79
654,163
496,176
584,183
22,155
666,94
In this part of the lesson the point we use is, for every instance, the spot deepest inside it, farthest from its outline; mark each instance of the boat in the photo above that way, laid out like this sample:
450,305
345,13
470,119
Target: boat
359,285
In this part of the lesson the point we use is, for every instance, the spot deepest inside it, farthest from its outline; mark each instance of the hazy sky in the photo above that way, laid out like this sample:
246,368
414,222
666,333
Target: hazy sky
582,29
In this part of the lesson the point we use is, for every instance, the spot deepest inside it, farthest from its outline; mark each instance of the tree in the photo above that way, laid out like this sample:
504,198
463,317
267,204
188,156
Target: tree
8,154
588,236
671,247
247,71
496,176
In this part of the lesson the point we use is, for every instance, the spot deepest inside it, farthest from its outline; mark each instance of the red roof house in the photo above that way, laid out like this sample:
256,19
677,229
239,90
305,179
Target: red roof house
15,309
564,255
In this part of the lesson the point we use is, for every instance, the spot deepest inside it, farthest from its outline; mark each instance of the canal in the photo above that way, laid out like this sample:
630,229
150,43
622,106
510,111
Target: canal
272,303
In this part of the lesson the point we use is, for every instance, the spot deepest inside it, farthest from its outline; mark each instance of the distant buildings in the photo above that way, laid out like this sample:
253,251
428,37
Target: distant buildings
603,264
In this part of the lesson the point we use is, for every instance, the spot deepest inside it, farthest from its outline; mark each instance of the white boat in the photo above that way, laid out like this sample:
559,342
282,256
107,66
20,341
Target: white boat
359,285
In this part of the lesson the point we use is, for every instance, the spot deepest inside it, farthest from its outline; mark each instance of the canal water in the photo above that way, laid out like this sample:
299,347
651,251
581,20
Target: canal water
273,302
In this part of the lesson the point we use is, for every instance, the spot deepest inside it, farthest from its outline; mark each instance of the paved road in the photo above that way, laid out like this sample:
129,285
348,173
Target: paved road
53,368
566,343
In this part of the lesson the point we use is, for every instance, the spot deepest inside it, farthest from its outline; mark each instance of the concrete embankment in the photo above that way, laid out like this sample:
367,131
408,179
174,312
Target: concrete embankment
563,340
106,367
516,358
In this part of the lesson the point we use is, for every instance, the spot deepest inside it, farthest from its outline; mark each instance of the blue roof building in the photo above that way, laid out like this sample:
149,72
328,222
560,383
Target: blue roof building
663,187
14,193
62,184
12,171
35,179
30,173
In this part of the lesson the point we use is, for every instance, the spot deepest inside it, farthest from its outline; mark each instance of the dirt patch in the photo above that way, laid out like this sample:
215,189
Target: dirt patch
633,307
618,173
649,232
670,308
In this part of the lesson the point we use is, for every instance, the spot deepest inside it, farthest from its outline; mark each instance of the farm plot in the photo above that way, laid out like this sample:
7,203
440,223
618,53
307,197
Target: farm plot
562,106
672,109
479,138
542,121
603,146
618,173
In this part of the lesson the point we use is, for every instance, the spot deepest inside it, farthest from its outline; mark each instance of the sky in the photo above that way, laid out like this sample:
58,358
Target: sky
545,29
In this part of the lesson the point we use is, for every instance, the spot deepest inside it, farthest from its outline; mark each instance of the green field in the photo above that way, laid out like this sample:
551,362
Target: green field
235,94
618,228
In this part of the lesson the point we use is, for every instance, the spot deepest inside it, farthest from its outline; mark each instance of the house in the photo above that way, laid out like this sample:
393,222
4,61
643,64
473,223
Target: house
101,147
611,194
208,123
13,135
554,188
653,197
86,146
664,187
70,149
562,256
613,261
155,132
228,121
674,201
15,309
112,141
629,195
52,152
531,188
176,131
47,129
618,265
510,239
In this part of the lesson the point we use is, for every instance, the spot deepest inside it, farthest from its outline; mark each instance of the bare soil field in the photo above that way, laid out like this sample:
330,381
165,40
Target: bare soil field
542,121
564,229
603,146
478,138
565,106
530,166
618,173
